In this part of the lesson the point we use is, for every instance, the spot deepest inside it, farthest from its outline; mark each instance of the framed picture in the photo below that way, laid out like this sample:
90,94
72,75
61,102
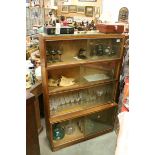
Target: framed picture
64,9
55,2
81,9
69,19
89,11
72,8
97,12
87,0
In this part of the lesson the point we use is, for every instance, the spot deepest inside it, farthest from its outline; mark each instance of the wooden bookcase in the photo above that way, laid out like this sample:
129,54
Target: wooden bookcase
86,107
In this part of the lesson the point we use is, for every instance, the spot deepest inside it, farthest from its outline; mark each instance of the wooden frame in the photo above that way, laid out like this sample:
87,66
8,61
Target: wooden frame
89,11
87,0
97,11
81,9
72,8
64,8
55,2
35,2
69,19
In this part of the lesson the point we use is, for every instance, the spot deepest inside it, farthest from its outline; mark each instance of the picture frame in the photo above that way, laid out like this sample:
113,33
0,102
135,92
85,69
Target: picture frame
64,8
97,12
72,8
69,20
55,2
87,0
89,11
81,9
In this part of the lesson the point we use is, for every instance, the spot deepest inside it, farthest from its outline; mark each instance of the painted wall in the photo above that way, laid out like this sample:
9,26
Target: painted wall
98,3
111,9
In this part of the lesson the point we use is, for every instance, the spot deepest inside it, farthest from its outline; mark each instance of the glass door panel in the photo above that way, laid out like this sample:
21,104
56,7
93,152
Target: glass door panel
100,121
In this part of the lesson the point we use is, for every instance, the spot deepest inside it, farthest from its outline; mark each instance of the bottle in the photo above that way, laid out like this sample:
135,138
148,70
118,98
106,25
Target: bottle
57,31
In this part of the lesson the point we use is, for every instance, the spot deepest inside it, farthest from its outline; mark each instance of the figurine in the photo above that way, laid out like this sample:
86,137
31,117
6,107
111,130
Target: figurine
82,53
75,25
52,18
123,14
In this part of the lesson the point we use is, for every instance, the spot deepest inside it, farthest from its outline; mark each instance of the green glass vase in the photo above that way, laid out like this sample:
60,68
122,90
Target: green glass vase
58,132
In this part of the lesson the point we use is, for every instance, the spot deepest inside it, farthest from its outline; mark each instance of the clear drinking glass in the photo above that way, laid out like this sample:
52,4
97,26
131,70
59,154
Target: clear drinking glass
70,128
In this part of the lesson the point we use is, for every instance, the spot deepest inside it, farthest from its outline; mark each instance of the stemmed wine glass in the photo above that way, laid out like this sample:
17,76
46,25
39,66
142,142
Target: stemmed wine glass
67,100
87,95
50,103
109,93
60,53
83,97
94,96
58,103
71,99
54,105
61,103
99,93
77,98
48,52
61,100
53,53
80,97
91,95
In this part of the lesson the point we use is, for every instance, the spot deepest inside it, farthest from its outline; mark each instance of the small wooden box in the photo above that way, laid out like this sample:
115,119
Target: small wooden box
110,28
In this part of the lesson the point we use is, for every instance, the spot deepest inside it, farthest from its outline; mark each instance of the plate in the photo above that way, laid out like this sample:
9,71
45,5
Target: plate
96,77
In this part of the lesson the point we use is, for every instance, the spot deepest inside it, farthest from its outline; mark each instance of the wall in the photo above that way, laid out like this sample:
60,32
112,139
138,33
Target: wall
111,9
76,2
108,8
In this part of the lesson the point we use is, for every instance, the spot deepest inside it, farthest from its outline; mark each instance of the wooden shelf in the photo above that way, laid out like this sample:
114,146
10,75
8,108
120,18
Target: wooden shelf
78,86
73,62
77,138
88,35
80,111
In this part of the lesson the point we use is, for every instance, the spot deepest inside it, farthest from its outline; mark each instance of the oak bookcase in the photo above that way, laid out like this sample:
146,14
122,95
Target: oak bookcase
86,107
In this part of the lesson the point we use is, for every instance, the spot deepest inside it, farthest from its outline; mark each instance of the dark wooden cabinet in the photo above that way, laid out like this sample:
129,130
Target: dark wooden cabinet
32,141
79,91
